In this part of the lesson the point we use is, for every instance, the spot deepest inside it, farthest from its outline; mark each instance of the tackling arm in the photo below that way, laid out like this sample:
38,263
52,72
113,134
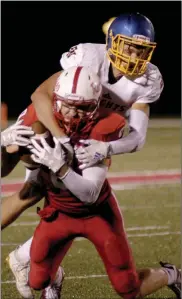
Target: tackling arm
42,101
95,150
138,124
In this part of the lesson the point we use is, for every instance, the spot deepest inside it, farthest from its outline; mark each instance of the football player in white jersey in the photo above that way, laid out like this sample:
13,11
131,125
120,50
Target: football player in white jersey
130,83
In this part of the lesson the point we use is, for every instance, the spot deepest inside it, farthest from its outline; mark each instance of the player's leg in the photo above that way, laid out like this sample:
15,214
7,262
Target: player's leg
50,243
151,279
18,206
154,279
18,261
116,255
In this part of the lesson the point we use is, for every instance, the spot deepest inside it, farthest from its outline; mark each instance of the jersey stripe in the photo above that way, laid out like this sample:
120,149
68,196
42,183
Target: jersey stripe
75,80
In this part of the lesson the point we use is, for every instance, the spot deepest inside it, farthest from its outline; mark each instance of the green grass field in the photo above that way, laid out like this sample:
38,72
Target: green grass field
152,220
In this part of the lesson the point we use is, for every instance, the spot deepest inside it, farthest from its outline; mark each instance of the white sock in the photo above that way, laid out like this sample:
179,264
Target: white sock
172,274
23,252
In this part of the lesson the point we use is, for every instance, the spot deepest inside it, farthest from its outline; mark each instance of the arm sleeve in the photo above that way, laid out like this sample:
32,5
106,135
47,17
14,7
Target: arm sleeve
134,141
138,120
88,186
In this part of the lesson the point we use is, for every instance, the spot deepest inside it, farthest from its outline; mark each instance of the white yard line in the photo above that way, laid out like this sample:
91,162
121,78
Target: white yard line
123,208
165,233
144,172
144,235
69,277
154,234
139,185
126,208
151,227
12,181
25,223
5,194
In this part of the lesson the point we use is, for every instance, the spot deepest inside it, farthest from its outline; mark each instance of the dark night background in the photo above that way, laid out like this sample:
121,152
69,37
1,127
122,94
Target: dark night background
35,34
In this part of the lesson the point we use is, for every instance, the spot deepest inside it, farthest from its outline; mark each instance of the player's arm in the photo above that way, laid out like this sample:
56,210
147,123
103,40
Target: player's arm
31,193
8,161
138,124
134,141
13,206
139,116
42,101
87,186
11,138
42,96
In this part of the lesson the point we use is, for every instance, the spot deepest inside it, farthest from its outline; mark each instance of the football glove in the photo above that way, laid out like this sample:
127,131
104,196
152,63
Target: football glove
92,152
16,134
53,158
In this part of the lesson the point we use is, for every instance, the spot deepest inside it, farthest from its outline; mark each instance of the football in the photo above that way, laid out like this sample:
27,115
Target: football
40,131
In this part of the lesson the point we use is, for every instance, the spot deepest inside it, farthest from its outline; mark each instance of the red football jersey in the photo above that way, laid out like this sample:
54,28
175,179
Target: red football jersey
58,197
28,116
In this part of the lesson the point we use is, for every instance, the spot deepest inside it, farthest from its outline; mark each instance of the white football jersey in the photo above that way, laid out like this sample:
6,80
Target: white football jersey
119,96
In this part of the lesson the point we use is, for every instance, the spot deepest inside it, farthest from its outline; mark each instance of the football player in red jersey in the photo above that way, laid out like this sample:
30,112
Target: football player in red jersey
79,204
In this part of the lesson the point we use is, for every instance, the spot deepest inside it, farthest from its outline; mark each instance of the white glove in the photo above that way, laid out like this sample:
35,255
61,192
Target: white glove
65,141
53,158
13,135
92,152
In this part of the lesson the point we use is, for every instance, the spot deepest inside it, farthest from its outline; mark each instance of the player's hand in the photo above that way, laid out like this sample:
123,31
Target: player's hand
92,152
65,141
53,158
16,134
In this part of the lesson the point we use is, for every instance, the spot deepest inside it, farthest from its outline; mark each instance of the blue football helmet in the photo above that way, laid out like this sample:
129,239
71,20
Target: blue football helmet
125,32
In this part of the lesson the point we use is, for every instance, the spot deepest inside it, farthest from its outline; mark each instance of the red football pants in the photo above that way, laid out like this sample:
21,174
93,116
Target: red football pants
52,240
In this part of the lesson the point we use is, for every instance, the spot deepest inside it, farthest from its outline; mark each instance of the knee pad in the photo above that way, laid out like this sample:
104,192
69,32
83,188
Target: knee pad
126,283
39,280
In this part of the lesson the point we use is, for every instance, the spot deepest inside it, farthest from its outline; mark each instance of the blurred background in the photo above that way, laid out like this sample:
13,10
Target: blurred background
36,33
146,183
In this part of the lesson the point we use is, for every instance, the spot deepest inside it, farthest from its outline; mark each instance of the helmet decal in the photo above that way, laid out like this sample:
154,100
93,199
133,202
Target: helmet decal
76,77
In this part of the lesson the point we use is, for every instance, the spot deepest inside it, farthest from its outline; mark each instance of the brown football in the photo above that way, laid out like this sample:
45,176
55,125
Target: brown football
40,131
